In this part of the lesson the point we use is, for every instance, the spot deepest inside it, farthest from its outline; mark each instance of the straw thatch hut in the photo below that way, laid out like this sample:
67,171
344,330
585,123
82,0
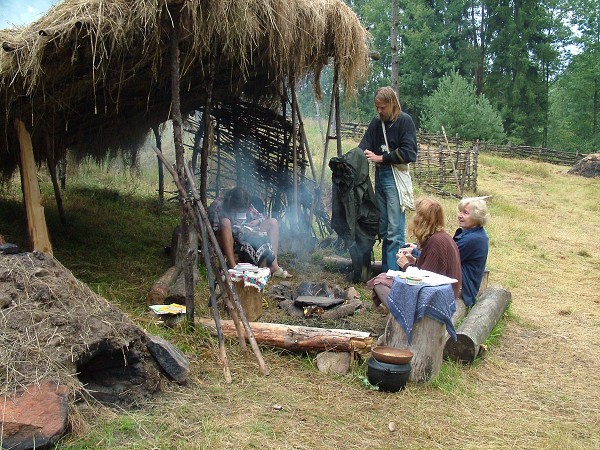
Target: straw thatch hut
94,76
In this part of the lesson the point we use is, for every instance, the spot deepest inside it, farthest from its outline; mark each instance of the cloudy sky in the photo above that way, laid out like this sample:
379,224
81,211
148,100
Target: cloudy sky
21,12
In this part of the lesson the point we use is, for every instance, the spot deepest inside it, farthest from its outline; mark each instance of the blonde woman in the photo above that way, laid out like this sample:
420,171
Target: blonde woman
473,243
438,251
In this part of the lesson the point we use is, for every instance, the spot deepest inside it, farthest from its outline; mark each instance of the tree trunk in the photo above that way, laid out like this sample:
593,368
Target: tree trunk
298,338
427,345
478,324
394,45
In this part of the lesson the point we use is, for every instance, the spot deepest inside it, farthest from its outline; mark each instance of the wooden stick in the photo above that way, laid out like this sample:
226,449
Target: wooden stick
453,165
213,302
212,238
52,168
218,262
227,284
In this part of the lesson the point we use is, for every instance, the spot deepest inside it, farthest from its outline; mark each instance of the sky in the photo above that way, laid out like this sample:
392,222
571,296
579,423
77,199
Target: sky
22,12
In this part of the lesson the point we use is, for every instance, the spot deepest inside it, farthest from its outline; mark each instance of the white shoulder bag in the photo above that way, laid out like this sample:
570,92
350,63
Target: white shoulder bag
402,179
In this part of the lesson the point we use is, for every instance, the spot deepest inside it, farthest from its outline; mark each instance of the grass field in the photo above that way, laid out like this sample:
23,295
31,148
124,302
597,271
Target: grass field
537,387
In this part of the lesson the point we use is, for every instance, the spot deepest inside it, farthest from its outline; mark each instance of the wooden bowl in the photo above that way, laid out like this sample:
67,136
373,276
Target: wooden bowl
391,355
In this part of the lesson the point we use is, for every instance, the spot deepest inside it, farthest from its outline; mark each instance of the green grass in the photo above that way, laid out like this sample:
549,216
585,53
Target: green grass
515,166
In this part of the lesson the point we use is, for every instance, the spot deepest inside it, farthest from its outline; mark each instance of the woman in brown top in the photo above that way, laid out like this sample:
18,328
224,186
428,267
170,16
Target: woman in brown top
436,250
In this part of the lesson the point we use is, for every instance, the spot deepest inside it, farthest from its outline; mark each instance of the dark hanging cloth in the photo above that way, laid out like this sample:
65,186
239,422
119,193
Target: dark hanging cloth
354,209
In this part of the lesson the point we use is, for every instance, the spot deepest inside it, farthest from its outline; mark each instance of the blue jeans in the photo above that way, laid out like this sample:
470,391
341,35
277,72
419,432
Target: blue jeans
391,217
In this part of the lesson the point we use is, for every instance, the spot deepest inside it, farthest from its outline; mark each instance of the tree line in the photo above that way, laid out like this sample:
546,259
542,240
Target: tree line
520,71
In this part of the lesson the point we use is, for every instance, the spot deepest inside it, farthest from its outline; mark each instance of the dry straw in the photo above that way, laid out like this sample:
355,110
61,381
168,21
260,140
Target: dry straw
96,74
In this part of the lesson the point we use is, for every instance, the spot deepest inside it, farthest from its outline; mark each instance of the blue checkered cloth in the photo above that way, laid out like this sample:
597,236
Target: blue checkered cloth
409,303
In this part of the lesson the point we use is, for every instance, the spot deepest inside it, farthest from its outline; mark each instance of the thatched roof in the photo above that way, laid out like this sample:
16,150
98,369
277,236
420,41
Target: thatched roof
96,73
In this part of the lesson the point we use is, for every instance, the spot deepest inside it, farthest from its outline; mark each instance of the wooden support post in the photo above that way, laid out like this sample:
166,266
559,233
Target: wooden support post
327,135
180,165
161,174
52,169
295,206
336,95
36,220
207,140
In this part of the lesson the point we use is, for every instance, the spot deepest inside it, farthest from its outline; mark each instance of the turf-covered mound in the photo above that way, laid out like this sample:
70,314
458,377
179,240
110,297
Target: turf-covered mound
587,167
53,327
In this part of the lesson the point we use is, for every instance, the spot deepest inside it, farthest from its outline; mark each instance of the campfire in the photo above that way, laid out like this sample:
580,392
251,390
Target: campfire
316,299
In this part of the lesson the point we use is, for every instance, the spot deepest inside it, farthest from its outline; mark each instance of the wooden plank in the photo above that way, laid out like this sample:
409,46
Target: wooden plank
36,220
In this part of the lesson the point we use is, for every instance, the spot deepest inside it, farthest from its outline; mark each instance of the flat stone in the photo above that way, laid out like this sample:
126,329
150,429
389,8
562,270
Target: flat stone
35,417
292,310
323,302
333,362
169,358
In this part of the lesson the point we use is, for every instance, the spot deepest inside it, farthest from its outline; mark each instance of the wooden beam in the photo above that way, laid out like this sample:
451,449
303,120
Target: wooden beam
36,220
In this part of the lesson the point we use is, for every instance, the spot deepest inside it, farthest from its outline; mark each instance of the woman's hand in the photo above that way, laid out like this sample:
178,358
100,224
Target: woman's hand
404,257
409,247
253,223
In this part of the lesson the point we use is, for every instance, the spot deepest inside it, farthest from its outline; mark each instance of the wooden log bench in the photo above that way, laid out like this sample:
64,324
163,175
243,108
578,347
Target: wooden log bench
427,343
477,325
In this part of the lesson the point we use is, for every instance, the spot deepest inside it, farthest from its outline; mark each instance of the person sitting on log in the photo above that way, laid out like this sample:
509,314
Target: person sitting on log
437,251
240,227
473,244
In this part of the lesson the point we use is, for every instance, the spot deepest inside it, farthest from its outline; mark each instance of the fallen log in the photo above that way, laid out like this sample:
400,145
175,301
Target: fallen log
478,324
158,291
345,264
299,338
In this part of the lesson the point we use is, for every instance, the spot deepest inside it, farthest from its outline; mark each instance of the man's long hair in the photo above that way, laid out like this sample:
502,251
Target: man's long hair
388,96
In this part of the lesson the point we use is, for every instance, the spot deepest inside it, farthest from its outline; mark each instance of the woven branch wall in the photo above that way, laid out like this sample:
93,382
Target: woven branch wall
445,169
253,148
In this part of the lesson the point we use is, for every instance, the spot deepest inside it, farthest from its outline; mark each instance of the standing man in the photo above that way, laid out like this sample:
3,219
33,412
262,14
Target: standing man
390,139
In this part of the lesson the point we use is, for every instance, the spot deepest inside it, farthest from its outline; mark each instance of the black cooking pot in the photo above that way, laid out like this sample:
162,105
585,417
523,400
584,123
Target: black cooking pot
389,377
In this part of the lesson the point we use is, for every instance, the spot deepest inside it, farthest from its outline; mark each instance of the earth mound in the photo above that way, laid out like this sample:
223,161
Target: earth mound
54,327
588,167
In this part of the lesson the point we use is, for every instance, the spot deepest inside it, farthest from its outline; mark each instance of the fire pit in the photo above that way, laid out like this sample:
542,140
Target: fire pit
316,299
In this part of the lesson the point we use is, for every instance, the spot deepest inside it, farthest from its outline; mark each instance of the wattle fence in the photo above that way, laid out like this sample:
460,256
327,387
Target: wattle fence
448,166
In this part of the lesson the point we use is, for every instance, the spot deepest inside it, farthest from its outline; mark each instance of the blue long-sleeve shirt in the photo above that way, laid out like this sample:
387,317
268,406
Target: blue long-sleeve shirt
473,246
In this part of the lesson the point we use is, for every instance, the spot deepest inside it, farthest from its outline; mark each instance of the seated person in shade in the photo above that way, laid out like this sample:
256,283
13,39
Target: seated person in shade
438,252
238,224
472,242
